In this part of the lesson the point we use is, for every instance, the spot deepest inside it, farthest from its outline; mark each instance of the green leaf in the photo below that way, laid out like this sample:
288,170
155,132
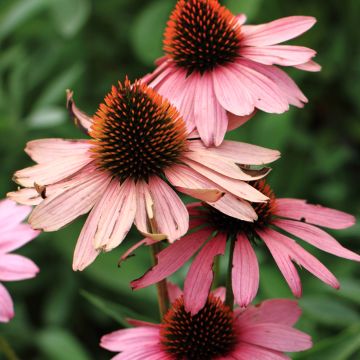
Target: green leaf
70,15
58,344
117,312
47,116
148,28
250,8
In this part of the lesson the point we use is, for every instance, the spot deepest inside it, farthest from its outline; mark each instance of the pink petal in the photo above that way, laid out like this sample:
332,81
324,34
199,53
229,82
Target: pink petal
117,214
162,64
235,121
210,117
282,260
265,92
51,172
220,292
278,311
170,213
309,66
46,150
276,31
286,55
129,251
17,237
235,207
15,267
173,257
246,351
6,305
231,93
200,276
241,18
245,271
236,187
239,152
12,214
316,237
77,198
314,214
192,183
81,120
150,352
25,196
174,291
127,339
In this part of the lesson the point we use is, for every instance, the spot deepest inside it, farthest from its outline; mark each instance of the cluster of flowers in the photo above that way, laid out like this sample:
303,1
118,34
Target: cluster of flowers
164,134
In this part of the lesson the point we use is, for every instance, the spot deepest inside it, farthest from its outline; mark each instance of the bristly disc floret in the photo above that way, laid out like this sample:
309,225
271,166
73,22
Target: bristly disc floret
137,133
201,34
233,226
208,334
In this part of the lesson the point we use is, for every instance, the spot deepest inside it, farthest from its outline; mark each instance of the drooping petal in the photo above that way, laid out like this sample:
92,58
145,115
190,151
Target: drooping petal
276,337
200,276
316,237
77,199
278,311
283,261
192,183
276,31
173,257
210,117
17,237
118,205
309,66
239,152
286,55
6,305
245,271
15,267
170,213
314,214
81,120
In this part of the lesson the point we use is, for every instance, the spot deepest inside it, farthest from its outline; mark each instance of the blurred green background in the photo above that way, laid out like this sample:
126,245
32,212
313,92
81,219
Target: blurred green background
47,46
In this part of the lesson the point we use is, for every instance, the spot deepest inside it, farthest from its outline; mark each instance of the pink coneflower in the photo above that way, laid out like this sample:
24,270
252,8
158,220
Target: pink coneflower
138,141
264,331
293,217
216,68
13,267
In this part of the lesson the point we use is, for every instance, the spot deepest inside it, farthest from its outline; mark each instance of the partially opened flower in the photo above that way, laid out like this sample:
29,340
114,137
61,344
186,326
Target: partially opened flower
264,331
13,267
218,70
278,221
138,142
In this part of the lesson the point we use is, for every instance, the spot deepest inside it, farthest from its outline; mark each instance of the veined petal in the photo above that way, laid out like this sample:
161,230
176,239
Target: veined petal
245,351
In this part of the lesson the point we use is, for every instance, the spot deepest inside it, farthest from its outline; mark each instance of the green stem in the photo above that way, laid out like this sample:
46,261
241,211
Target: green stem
6,349
229,299
216,272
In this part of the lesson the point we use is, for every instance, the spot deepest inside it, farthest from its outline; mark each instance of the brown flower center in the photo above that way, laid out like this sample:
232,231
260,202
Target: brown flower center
201,34
208,334
137,133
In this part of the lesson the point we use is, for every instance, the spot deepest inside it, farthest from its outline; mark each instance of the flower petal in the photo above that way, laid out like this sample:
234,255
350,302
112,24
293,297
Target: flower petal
17,237
276,31
309,66
200,276
245,351
6,305
314,214
235,121
245,271
15,267
81,120
12,214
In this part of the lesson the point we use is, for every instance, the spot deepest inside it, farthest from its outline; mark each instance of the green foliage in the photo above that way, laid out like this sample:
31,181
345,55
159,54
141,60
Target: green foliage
48,46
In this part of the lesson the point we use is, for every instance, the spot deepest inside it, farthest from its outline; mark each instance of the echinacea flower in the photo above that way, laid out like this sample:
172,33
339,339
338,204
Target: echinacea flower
278,221
13,267
264,331
138,141
217,69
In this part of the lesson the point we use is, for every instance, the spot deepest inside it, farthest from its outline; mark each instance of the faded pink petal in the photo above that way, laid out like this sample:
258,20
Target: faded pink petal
170,213
6,305
286,55
276,31
210,118
239,152
245,272
118,208
277,337
47,150
314,214
316,237
172,258
16,267
200,276
83,121
25,196
13,239
80,196
309,66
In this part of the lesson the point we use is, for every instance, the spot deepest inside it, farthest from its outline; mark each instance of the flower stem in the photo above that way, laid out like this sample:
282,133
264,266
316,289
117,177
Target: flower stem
229,299
162,291
6,349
